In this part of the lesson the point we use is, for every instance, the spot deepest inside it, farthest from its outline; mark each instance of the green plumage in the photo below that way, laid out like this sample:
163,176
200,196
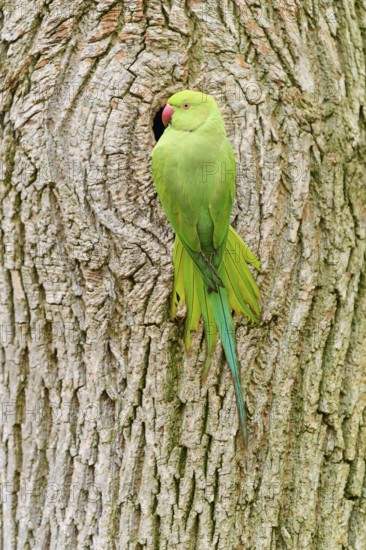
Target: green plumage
193,168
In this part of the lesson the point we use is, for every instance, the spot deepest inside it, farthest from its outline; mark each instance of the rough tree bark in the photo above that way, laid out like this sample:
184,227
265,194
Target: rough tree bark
109,439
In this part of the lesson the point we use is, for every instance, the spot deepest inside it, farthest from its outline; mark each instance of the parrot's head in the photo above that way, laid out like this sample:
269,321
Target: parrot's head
188,110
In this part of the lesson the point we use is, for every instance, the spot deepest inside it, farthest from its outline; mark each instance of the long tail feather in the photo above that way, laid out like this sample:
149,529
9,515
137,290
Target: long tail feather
240,293
210,328
219,303
191,282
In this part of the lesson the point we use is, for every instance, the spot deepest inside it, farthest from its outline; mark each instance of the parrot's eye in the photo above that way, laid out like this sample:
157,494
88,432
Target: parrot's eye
185,106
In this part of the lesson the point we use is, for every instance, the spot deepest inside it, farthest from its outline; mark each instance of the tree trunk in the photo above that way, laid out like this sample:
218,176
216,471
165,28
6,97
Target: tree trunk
109,437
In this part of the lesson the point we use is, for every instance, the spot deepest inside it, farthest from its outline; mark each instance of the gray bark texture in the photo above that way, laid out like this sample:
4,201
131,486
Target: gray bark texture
109,438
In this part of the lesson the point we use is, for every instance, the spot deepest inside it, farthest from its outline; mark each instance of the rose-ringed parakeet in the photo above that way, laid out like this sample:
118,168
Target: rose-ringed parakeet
193,168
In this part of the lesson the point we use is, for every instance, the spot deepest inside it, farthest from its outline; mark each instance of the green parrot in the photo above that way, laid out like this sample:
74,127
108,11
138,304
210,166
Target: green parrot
193,167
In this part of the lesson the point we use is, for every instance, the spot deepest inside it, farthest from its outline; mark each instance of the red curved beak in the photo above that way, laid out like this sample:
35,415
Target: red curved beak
167,114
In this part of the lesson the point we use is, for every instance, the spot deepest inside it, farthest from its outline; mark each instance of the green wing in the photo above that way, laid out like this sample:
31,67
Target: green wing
197,196
222,202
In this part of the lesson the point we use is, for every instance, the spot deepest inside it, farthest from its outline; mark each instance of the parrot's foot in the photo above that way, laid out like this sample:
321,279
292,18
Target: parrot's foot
209,274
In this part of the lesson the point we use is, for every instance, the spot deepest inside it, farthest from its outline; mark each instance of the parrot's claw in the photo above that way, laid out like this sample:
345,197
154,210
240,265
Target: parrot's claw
211,277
